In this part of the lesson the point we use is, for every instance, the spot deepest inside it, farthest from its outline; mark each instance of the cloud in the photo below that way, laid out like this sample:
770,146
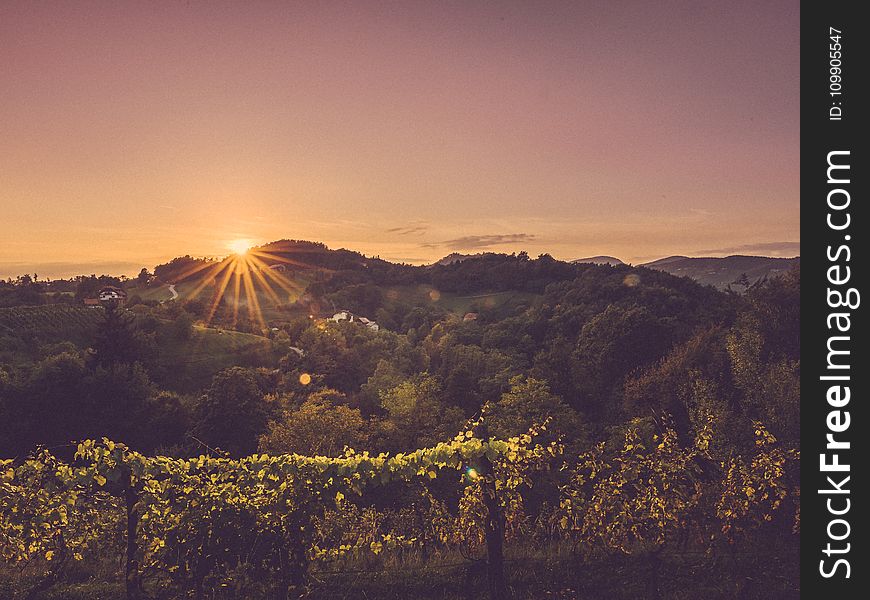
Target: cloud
766,248
412,229
482,242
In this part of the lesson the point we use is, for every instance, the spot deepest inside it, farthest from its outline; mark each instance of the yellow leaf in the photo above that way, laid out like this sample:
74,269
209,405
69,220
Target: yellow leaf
100,480
49,555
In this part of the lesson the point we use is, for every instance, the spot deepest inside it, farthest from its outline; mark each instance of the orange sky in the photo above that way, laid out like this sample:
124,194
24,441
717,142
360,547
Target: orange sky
134,132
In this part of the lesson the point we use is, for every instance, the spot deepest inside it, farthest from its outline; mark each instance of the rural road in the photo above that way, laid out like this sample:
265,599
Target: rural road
172,291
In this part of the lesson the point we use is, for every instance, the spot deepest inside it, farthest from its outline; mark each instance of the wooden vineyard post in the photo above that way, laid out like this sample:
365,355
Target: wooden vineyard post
494,525
131,571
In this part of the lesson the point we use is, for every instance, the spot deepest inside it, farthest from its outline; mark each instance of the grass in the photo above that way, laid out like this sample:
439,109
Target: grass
456,303
189,364
533,573
553,572
495,301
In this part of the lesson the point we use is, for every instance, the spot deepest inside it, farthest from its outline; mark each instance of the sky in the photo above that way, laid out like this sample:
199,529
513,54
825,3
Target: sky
133,132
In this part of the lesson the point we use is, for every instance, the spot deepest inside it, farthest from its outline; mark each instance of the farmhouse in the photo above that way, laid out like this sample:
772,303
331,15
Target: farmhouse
112,294
346,315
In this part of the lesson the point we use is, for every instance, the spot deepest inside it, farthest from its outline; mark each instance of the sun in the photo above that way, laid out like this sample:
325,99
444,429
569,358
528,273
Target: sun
240,246
249,275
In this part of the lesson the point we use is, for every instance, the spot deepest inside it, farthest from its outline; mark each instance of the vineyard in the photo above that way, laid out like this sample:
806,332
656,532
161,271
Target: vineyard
265,526
50,320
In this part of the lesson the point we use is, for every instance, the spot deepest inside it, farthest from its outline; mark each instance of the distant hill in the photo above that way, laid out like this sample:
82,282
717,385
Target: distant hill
600,260
724,272
454,257
663,261
302,255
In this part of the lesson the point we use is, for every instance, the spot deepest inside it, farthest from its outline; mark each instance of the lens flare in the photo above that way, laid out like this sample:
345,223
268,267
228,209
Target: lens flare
631,280
239,247
246,280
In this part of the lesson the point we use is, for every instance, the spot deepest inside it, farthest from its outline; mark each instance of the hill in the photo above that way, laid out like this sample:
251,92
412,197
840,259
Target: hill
726,272
453,257
599,260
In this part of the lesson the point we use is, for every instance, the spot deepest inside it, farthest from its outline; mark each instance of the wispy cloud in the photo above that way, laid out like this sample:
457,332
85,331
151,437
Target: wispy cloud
766,248
482,242
410,229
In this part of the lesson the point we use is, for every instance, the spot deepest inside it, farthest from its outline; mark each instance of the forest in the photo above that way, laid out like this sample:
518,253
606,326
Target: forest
514,427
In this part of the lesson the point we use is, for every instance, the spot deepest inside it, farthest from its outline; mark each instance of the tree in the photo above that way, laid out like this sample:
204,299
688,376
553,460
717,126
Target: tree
770,387
232,413
613,343
322,426
48,407
742,281
116,404
167,419
117,342
385,377
416,416
529,402
143,277
691,383
182,326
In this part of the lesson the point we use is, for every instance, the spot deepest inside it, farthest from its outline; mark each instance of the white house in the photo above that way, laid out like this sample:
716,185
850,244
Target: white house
112,293
346,315
108,295
369,323
343,315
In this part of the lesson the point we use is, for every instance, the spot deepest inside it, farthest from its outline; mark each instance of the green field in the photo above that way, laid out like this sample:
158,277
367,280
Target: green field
456,303
188,364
